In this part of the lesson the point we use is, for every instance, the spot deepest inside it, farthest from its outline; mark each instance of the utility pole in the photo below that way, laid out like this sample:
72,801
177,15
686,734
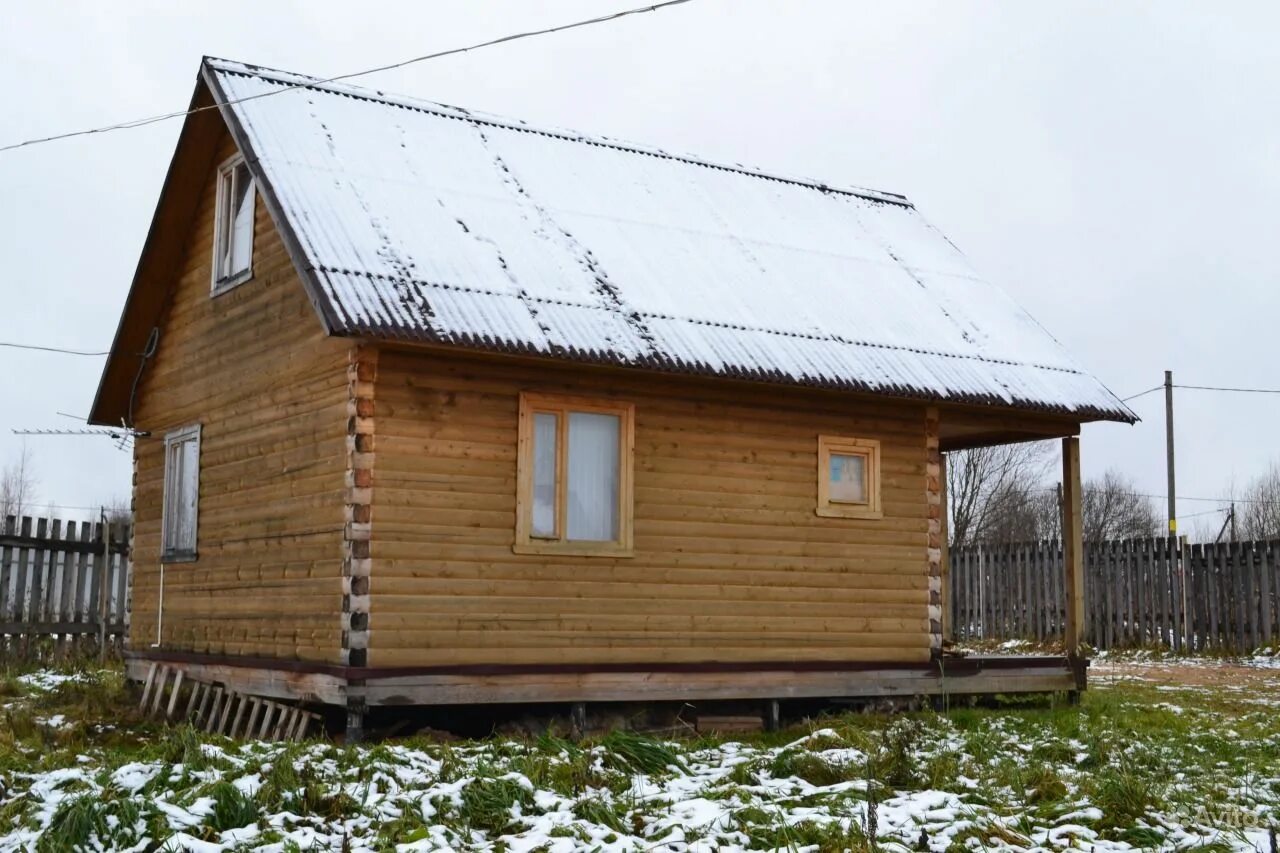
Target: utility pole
1173,503
1168,441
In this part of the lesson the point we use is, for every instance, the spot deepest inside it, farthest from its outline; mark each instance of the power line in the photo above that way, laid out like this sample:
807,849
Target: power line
1054,490
1204,388
1140,394
142,122
1236,390
1205,512
58,506
51,349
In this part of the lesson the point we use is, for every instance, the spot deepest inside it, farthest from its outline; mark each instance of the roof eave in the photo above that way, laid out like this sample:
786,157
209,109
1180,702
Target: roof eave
1082,414
111,400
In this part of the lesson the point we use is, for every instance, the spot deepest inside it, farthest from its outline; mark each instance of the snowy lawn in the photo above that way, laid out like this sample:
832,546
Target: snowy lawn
1145,762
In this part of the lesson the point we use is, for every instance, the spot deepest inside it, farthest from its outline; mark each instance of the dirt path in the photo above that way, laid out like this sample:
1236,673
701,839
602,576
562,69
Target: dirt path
1197,672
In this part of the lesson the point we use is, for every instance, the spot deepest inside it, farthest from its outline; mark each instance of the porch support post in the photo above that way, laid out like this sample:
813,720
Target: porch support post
947,626
1072,546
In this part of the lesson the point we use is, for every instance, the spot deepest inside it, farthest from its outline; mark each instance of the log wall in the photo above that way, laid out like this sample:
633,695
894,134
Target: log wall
253,366
731,563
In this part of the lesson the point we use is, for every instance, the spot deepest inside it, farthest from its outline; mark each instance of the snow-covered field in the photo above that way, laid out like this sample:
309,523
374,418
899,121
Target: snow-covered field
1145,762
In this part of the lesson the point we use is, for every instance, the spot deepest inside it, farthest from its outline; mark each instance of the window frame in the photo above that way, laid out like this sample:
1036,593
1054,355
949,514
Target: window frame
868,448
225,192
562,405
169,553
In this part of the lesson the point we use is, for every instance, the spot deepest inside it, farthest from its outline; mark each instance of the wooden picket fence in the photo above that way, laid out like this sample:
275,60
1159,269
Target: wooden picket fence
63,585
1138,592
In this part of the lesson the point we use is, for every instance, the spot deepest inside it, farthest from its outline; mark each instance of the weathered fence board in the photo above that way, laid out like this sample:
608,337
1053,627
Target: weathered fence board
1138,592
65,581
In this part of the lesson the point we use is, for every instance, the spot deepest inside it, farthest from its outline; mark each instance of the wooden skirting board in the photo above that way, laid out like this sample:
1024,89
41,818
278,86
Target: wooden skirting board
170,694
335,685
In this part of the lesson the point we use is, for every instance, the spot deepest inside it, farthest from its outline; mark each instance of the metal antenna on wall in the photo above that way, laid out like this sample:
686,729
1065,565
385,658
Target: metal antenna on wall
122,436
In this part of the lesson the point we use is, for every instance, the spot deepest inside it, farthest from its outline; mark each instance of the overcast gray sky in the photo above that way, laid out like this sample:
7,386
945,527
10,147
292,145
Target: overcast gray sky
1113,166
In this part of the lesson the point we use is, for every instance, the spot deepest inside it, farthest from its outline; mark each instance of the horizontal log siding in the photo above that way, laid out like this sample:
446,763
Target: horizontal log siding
254,368
731,562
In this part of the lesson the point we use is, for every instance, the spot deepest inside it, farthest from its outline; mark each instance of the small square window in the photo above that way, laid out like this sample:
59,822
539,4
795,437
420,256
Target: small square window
181,494
574,476
233,225
848,477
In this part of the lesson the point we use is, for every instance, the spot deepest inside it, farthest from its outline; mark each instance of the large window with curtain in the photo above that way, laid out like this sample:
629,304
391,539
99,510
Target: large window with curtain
574,476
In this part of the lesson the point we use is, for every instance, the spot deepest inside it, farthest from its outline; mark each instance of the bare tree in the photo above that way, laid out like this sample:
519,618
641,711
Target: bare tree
989,490
1258,516
18,485
119,512
997,495
1112,508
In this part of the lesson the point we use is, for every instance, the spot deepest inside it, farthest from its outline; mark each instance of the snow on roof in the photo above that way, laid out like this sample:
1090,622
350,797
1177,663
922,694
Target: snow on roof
424,222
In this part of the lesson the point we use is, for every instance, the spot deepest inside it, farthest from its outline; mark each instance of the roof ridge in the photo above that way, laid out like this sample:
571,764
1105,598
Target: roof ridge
714,323
333,87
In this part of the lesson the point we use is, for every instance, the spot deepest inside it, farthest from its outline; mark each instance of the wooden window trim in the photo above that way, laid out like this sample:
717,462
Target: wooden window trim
219,286
867,447
168,554
526,542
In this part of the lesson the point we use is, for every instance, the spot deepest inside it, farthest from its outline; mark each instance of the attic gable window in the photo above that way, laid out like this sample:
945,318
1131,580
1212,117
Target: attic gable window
848,477
233,225
181,494
574,476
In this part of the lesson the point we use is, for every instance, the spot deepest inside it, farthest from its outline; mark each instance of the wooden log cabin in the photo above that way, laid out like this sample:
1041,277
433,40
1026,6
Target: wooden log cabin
441,408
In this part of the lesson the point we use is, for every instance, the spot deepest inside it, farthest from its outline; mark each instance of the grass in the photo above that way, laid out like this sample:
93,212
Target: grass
637,753
492,804
812,767
232,808
76,822
1135,764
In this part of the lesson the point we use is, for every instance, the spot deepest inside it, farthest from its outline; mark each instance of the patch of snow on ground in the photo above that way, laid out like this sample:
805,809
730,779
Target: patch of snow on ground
47,680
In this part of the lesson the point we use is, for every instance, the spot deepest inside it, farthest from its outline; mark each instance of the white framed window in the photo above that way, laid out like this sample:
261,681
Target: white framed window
848,477
574,475
233,225
181,494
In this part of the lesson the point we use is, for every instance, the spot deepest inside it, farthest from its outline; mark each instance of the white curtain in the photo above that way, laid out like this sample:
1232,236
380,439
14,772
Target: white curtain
544,473
593,477
848,478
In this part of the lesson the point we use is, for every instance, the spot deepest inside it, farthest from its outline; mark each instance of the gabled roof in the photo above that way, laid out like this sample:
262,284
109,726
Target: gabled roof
415,221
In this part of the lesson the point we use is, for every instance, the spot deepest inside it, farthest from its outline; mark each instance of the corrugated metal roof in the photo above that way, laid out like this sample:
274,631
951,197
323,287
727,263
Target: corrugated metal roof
426,222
